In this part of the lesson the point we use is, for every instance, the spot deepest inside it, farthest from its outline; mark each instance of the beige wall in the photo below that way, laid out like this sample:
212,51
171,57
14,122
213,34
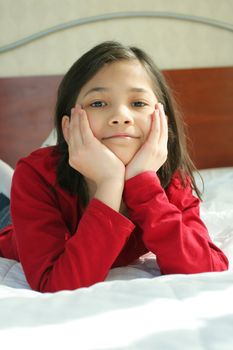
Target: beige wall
172,43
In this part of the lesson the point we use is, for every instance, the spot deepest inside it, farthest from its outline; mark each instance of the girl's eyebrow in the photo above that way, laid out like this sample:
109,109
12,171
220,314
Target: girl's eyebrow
99,89
96,89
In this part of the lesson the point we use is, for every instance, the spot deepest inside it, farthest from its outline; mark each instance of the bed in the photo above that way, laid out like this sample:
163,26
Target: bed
136,307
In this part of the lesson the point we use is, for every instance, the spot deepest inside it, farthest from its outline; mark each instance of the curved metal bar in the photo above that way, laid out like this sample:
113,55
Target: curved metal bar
117,15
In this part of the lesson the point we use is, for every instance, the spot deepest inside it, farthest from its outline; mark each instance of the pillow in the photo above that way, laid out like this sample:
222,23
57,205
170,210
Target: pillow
51,139
217,207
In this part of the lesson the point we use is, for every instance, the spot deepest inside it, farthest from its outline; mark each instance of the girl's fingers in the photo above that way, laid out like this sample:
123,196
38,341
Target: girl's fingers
163,125
86,132
158,135
75,137
155,127
80,130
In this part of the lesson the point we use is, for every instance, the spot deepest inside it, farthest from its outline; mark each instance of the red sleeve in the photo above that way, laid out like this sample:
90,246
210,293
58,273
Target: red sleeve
52,261
171,224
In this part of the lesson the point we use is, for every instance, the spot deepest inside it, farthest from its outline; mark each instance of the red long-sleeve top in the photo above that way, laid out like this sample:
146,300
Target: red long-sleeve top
60,246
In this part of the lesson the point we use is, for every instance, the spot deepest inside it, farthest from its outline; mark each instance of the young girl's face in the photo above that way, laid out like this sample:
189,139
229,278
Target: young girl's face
119,101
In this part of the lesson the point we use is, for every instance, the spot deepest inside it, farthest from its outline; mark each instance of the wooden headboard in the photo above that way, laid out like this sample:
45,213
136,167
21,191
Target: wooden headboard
205,96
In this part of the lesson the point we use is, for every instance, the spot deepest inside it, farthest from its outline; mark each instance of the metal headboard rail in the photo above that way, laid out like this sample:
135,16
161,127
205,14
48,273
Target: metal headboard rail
112,16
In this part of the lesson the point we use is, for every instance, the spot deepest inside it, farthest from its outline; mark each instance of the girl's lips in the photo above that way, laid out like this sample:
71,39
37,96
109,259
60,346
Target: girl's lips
120,136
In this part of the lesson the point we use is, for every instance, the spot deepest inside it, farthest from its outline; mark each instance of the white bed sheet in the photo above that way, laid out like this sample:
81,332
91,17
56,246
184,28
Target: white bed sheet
135,308
168,312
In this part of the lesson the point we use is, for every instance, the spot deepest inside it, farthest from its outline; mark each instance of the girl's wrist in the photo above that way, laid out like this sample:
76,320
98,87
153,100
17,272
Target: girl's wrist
110,192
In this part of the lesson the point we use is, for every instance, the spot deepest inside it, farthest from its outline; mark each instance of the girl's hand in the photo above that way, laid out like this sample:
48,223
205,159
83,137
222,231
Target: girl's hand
88,155
153,153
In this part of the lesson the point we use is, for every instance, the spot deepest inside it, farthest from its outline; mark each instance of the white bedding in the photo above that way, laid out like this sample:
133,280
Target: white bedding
135,308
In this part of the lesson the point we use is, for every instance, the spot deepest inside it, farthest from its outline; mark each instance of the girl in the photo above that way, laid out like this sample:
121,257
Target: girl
117,184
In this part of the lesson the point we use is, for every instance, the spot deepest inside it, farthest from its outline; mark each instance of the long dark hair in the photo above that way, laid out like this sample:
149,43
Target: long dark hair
79,74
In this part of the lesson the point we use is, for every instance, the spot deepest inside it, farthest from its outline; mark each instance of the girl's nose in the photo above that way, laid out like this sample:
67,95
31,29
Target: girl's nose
121,117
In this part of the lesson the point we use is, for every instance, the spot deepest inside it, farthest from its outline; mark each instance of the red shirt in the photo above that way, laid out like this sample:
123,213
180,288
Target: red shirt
60,246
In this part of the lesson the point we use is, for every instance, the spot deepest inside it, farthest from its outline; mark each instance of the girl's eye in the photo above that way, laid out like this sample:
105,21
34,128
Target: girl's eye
139,104
98,104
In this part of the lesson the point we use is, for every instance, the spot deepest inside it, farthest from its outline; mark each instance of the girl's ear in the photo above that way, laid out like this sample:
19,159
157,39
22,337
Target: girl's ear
65,123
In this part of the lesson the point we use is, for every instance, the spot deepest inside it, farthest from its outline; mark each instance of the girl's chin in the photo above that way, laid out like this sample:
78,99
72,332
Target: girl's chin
125,154
125,157
125,160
